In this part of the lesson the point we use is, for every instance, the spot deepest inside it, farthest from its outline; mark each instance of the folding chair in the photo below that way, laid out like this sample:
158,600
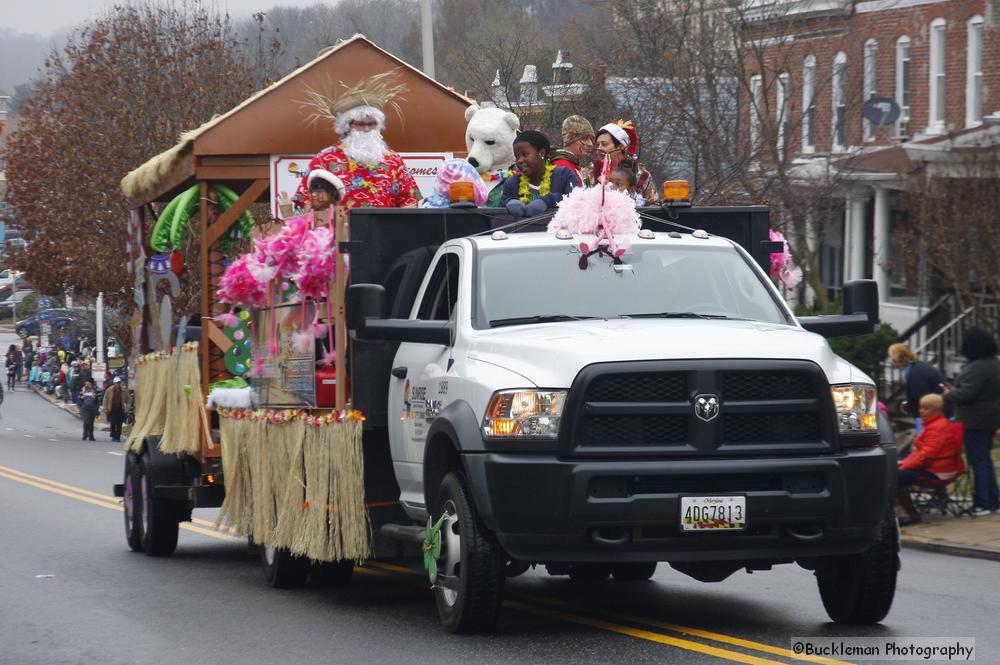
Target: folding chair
949,496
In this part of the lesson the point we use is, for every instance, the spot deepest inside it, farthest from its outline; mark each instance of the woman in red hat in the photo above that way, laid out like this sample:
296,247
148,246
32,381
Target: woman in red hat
618,144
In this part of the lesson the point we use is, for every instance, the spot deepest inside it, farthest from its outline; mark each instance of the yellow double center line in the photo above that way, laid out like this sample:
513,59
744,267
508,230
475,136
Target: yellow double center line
643,628
204,527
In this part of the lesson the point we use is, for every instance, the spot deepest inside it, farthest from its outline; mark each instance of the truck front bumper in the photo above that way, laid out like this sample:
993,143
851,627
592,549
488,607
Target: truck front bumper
546,509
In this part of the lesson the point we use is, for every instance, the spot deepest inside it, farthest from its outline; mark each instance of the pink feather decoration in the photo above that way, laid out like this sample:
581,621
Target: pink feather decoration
302,341
257,368
318,263
580,211
320,329
282,250
239,286
227,319
329,358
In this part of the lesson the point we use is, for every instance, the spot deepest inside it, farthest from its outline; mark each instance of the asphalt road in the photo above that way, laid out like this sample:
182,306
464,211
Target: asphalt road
72,592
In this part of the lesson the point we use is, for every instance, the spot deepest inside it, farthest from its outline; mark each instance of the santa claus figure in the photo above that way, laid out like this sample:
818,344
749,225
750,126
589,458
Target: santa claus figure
374,175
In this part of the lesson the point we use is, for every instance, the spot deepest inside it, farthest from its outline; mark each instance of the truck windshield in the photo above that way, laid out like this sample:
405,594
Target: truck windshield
556,283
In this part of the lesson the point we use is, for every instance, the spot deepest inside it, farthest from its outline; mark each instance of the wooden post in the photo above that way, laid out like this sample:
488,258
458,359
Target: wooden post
206,286
337,294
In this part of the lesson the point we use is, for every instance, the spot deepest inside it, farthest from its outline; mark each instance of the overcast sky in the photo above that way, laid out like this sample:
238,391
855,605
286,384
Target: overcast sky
43,17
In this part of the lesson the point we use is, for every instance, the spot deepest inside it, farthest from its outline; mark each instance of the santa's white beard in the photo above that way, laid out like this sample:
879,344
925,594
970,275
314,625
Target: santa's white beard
365,148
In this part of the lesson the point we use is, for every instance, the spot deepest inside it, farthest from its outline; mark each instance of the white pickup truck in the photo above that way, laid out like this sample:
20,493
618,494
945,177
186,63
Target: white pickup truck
599,415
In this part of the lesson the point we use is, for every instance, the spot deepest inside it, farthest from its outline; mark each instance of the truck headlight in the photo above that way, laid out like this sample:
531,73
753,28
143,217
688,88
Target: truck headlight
524,413
857,406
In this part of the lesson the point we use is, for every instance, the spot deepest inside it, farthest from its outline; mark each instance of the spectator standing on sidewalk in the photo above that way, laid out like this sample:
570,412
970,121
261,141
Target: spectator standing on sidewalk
116,405
976,396
919,377
73,383
11,364
28,349
89,408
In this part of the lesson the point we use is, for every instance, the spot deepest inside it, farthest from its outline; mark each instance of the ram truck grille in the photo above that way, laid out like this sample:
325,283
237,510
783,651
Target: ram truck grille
649,408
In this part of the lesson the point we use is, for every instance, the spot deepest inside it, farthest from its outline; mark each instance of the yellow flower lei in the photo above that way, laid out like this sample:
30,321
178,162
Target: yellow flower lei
524,193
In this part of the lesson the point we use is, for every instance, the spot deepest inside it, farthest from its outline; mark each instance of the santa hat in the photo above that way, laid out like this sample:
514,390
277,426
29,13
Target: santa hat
624,132
323,174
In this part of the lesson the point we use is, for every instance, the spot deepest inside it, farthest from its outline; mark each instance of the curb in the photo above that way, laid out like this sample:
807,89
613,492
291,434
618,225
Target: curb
55,403
944,547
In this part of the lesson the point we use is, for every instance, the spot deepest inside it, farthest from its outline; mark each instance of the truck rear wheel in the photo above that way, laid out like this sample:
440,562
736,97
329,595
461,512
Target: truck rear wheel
331,574
132,502
859,588
469,588
282,569
159,519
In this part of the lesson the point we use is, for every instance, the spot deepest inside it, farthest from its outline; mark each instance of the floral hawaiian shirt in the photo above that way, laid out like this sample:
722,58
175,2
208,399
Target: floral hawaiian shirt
386,185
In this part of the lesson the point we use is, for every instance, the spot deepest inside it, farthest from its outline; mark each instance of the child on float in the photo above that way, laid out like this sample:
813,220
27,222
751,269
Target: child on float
539,185
624,179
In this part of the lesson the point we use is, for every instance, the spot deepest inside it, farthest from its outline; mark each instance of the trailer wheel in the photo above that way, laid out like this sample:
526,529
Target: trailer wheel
282,569
331,574
638,571
859,588
469,588
159,518
132,503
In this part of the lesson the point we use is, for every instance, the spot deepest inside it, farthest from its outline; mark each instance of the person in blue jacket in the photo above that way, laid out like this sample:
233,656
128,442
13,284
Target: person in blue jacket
539,185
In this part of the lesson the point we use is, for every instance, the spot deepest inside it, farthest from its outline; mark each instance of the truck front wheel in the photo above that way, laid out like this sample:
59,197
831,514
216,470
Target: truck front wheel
859,588
470,580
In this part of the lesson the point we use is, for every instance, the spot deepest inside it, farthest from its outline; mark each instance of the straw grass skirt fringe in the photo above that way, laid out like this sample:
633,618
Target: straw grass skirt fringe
168,401
295,485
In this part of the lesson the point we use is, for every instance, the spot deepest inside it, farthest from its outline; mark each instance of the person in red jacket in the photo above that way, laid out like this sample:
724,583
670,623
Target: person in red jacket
936,455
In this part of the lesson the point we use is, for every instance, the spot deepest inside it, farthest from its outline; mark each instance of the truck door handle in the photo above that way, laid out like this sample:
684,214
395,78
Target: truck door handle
399,372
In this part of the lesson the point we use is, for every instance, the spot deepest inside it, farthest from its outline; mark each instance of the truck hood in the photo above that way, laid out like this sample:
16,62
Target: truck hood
551,355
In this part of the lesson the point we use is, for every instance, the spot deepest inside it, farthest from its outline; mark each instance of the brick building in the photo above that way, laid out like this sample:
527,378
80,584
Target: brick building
811,65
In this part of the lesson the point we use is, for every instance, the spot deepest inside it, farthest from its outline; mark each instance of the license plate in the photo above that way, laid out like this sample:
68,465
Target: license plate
713,513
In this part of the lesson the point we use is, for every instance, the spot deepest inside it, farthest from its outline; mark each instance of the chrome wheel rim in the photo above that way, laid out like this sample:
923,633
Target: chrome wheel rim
147,506
451,541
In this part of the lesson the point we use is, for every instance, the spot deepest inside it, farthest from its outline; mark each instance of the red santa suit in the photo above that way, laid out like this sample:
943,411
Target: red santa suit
388,184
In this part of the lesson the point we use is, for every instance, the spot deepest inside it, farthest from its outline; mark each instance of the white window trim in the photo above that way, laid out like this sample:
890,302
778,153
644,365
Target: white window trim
781,105
972,68
870,73
904,111
835,79
935,115
756,101
808,100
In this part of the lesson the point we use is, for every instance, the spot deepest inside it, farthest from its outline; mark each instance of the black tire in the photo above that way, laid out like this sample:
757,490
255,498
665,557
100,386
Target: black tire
159,520
470,584
282,570
331,574
589,572
635,571
859,588
132,502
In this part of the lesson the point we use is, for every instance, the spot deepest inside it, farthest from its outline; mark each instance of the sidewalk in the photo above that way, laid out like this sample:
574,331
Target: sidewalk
977,537
52,399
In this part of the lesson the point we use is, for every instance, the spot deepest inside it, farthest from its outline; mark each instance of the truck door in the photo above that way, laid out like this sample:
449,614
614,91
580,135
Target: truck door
418,387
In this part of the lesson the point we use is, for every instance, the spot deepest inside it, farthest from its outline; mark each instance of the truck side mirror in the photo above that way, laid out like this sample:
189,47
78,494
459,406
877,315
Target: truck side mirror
861,297
364,301
860,312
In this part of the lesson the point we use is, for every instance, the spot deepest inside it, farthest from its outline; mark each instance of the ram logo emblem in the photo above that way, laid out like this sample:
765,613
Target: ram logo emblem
706,407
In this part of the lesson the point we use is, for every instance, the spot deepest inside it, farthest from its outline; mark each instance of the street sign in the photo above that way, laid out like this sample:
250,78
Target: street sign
97,370
45,303
881,111
116,363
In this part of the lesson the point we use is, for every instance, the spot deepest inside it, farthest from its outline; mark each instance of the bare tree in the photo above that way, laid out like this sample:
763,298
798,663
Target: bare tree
122,90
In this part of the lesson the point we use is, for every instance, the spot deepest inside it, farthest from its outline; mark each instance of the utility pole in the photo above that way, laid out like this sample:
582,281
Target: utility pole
100,327
427,36
13,296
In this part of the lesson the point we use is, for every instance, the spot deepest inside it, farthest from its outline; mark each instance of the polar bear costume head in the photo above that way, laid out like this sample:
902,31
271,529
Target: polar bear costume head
489,138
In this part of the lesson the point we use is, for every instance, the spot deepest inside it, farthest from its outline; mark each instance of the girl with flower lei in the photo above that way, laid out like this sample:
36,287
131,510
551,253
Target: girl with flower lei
539,185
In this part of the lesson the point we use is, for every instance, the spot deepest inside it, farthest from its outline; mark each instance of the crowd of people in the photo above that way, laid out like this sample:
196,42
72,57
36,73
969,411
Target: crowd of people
65,371
935,459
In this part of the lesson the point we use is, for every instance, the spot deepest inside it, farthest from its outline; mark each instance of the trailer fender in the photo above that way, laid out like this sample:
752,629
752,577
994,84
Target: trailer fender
165,469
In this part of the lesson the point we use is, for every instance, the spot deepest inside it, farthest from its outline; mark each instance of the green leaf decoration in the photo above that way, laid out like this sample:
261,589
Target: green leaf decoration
432,547
187,389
